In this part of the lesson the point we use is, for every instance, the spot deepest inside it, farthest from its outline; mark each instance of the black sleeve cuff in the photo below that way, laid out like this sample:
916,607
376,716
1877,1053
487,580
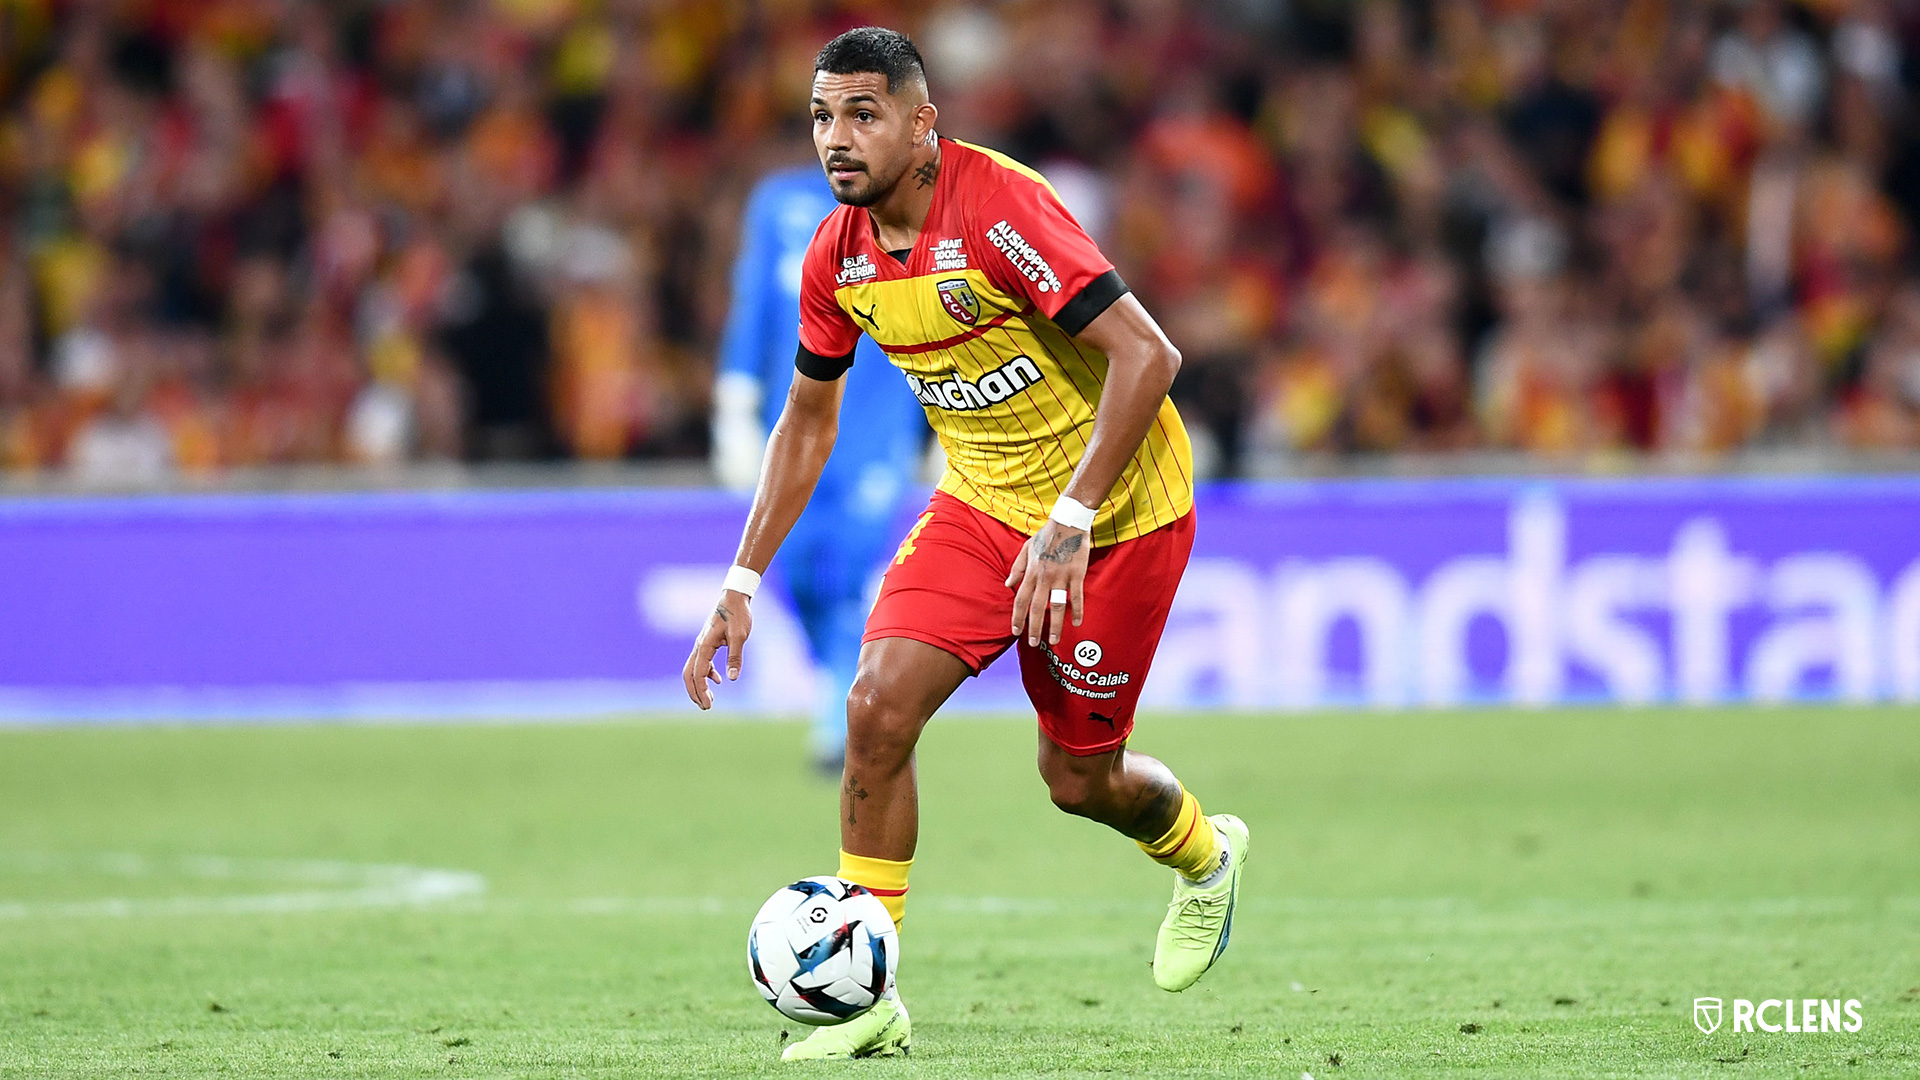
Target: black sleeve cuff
821,368
1097,297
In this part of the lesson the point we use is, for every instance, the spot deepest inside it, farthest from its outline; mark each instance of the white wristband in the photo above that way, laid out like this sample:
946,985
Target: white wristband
1073,514
741,580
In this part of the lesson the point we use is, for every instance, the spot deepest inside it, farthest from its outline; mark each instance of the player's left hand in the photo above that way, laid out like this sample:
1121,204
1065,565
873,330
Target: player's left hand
1055,558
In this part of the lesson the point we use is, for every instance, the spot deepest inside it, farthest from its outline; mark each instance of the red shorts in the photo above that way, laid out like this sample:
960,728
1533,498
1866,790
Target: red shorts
947,587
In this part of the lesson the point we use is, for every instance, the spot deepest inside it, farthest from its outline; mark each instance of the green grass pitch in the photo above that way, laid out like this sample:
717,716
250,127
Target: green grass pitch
1510,894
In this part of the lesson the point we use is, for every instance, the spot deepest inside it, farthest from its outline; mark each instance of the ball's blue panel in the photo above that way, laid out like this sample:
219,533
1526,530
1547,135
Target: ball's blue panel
818,953
878,983
753,963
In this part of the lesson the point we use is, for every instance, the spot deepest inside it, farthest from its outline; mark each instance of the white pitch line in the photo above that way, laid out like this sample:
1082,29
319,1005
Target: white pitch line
1451,909
358,885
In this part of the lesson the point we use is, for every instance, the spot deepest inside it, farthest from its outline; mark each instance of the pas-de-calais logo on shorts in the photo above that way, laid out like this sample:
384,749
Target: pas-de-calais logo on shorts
1802,1016
1087,653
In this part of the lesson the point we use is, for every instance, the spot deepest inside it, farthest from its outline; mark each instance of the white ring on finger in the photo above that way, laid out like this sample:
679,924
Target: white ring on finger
1057,596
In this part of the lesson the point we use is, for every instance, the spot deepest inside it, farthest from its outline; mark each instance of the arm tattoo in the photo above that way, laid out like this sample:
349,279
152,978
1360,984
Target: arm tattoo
721,611
853,792
925,174
1064,548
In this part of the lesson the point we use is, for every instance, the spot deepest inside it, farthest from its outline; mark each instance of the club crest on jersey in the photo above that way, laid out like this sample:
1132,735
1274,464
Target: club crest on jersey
957,297
955,394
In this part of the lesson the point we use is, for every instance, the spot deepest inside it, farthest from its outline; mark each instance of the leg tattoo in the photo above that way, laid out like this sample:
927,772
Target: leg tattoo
1156,808
852,794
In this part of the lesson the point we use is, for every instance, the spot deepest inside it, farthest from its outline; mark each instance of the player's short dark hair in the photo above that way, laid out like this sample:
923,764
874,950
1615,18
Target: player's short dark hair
876,50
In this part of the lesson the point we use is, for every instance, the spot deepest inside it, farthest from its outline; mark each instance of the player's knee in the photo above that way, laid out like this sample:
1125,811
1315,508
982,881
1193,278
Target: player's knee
881,733
1074,794
1075,789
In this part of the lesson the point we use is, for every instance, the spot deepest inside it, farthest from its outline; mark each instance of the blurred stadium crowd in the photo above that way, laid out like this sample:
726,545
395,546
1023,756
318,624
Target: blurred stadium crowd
243,232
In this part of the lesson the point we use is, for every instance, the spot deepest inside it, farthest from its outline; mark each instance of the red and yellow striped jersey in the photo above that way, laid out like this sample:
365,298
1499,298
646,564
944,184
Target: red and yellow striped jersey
980,315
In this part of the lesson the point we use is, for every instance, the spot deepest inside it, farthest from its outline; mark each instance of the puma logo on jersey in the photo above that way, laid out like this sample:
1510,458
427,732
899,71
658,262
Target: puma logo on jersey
866,315
956,394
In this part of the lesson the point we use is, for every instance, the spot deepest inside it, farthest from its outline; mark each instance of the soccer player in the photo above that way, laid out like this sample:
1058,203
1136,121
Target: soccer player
844,534
1060,529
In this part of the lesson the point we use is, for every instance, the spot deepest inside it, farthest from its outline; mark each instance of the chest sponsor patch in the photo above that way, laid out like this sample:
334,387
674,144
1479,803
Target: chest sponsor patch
949,255
855,268
957,297
956,394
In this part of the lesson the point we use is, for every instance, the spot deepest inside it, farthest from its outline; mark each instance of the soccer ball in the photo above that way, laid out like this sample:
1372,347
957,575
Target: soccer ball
822,950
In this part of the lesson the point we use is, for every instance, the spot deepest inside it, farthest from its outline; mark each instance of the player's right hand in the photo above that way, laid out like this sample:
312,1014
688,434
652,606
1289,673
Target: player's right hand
729,625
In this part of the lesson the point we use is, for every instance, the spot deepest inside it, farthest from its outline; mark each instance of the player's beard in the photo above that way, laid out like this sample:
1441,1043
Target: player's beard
877,187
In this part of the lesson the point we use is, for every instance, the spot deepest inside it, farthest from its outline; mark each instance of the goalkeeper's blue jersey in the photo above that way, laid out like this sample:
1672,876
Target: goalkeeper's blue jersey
882,425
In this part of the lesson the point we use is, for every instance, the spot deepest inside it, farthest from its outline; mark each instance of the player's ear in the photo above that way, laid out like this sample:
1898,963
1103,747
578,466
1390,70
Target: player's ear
923,117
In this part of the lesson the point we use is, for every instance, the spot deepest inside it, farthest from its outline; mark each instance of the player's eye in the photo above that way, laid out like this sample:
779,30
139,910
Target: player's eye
863,116
821,117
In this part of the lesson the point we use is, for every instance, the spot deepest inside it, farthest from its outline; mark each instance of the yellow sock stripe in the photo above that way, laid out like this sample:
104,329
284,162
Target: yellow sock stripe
885,878
1190,846
1183,826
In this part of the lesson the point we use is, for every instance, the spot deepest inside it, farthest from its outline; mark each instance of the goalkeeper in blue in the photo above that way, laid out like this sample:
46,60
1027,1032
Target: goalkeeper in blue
846,531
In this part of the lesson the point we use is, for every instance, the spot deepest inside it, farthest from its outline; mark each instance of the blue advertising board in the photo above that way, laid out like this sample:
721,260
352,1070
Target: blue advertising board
1377,593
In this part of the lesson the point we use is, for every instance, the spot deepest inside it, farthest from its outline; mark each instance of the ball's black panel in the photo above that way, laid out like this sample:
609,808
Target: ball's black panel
753,958
827,1003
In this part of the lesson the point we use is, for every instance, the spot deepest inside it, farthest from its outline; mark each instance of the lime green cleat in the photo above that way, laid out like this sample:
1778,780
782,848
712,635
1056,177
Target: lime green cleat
1200,918
882,1031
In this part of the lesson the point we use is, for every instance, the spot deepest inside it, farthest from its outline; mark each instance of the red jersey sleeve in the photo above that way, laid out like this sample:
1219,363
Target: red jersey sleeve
826,330
1042,253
